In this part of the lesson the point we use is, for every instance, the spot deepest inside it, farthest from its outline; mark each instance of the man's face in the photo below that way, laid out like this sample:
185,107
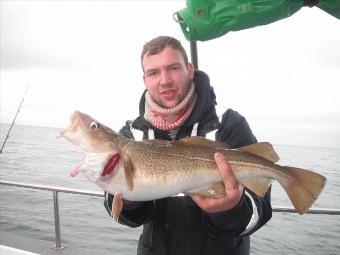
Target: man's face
166,77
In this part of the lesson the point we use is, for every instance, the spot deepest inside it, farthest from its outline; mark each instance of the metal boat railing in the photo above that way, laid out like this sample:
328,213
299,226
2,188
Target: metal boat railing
56,190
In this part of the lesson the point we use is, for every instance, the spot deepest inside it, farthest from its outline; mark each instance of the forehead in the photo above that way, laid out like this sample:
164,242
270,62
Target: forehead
167,56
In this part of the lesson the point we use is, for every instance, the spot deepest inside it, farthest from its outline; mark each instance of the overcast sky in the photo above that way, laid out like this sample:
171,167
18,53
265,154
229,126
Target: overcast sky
84,55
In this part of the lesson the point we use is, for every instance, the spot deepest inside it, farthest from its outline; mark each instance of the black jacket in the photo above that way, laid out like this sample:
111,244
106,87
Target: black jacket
176,225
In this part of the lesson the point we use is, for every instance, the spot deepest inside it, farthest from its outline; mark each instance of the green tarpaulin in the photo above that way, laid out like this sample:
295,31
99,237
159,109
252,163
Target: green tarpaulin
208,19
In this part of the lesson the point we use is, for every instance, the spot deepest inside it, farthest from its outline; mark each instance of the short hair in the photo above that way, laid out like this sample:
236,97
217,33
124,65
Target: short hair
158,44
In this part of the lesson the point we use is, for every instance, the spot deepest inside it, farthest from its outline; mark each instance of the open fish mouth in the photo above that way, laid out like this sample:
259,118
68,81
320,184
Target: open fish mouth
71,128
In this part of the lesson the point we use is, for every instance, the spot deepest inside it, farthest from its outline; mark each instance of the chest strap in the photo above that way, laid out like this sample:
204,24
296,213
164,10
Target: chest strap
138,135
211,135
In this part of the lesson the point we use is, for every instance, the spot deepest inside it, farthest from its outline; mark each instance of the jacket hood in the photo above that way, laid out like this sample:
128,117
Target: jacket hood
206,99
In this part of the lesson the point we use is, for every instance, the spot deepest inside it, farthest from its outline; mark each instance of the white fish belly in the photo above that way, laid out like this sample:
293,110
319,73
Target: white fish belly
155,188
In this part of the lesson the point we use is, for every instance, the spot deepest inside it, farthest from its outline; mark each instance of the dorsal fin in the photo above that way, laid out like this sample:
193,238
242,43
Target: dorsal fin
202,141
264,150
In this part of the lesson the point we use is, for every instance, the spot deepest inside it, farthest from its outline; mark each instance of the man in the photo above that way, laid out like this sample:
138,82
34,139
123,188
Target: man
179,102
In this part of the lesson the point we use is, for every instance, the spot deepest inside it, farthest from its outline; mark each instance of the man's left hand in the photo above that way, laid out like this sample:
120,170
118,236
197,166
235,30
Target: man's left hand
233,190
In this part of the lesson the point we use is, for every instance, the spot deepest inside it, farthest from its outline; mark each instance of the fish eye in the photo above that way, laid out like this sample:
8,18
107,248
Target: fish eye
94,125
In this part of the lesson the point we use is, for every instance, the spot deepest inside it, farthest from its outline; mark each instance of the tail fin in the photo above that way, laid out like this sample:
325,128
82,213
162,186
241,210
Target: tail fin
305,190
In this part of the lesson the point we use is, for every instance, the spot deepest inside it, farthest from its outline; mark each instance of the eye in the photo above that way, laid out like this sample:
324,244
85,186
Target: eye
94,125
152,73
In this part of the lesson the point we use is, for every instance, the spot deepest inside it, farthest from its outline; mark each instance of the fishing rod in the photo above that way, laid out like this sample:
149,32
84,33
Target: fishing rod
9,130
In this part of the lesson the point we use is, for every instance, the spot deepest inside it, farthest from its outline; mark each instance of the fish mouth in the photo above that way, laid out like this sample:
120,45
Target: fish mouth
71,128
73,132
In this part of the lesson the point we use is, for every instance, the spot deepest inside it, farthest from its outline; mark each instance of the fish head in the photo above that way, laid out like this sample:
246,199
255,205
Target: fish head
98,143
89,135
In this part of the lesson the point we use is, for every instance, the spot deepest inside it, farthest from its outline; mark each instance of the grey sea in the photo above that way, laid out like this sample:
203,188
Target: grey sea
34,155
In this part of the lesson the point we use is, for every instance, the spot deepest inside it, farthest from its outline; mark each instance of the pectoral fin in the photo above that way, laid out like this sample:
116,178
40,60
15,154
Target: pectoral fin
117,206
215,190
128,171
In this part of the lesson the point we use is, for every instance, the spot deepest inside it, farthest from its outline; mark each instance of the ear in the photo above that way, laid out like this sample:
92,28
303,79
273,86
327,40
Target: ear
191,70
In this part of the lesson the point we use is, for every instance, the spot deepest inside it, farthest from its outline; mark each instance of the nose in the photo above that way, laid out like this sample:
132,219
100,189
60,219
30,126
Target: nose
165,78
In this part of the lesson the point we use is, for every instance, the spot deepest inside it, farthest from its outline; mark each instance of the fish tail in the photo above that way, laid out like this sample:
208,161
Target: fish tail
305,190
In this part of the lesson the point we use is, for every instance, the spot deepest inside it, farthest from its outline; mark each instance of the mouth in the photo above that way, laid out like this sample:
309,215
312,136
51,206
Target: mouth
169,94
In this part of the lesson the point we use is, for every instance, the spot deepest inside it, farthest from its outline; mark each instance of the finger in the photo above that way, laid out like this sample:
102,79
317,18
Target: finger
226,173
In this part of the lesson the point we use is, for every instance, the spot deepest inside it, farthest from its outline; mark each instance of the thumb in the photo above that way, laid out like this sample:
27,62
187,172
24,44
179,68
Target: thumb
226,173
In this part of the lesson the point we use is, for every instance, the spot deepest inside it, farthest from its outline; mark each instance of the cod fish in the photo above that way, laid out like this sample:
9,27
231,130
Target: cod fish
154,169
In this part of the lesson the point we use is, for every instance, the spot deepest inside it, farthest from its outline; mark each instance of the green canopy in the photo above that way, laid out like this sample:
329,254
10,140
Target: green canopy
208,19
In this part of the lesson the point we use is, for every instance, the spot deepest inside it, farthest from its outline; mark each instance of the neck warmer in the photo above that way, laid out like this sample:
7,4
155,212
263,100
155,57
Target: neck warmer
169,118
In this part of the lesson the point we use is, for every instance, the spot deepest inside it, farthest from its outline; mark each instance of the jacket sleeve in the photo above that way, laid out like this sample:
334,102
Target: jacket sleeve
133,214
252,212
